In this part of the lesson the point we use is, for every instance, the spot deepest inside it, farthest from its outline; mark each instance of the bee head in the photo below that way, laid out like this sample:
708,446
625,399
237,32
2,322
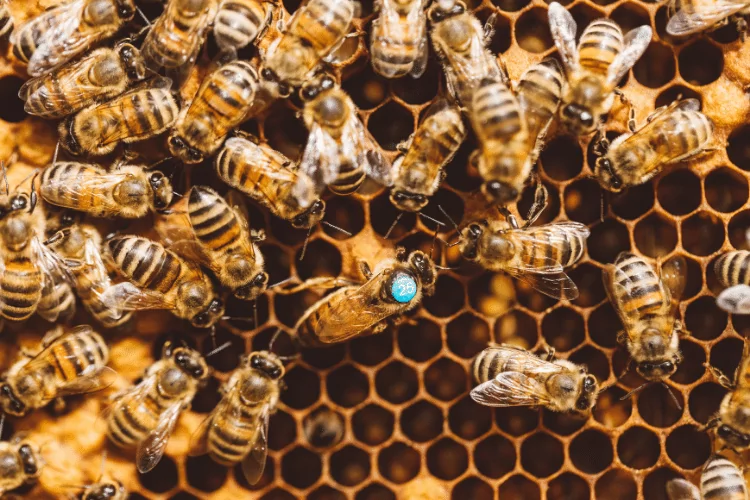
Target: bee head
267,363
135,66
104,490
606,175
311,216
30,459
470,236
577,119
10,402
272,78
183,150
408,201
655,371
254,288
125,9
425,270
499,193
190,362
313,89
442,10
734,438
589,392
162,189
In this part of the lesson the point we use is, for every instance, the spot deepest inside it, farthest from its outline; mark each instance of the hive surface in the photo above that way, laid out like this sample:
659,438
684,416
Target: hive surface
402,396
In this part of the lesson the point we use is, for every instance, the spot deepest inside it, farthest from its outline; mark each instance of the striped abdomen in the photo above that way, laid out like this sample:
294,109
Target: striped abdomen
495,360
539,95
495,112
722,480
20,288
214,223
349,179
239,22
59,183
57,302
146,263
75,355
145,113
600,43
91,282
733,268
320,24
314,321
637,274
551,243
437,138
27,36
132,420
396,42
177,33
6,21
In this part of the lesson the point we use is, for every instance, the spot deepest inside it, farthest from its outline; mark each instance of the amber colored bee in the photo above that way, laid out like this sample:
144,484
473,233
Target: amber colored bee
646,302
594,67
177,35
511,128
720,480
110,489
237,429
67,30
270,178
127,191
314,32
6,19
145,415
733,271
511,376
160,279
418,172
536,255
217,235
693,16
131,117
732,423
399,38
671,134
239,23
21,463
340,152
461,44
395,287
98,76
69,362
222,101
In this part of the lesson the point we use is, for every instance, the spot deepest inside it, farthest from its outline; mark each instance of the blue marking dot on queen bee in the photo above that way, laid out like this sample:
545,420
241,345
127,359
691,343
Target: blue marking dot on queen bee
403,288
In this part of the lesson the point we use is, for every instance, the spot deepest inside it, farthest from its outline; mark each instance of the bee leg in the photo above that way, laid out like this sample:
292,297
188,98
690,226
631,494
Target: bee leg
548,351
401,255
741,28
713,422
51,336
601,143
364,268
489,28
242,134
720,377
540,202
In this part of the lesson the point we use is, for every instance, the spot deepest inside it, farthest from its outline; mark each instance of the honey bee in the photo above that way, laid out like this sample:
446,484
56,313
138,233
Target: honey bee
69,362
340,152
693,16
732,271
324,428
129,191
239,23
511,376
219,237
222,101
647,305
134,116
720,480
160,279
109,489
67,30
237,429
461,44
395,287
511,128
671,134
269,178
99,76
418,171
595,67
177,35
145,415
535,255
21,463
314,32
732,423
6,19
399,38
79,244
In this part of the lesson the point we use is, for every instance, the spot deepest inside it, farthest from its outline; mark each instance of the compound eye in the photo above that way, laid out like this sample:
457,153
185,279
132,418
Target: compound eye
668,366
260,279
180,358
317,207
256,362
308,93
275,372
267,74
198,372
399,196
18,203
475,230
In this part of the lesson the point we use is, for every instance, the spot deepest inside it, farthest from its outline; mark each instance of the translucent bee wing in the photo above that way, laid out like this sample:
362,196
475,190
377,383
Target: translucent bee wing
680,489
563,29
420,63
367,152
199,439
320,161
634,45
673,275
129,297
735,299
510,389
254,462
55,278
687,21
94,380
151,449
555,285
558,234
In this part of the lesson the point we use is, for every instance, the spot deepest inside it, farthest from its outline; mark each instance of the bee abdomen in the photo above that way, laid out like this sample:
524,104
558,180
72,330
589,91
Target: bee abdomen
722,480
26,38
72,356
6,21
153,111
488,364
125,427
323,22
20,289
733,268
214,223
60,300
64,176
231,438
600,43
684,132
539,93
646,294
350,178
394,55
496,110
238,23
146,263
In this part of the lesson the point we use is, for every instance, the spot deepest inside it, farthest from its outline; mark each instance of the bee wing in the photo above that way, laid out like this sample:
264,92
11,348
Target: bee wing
128,297
673,275
702,15
557,285
563,29
362,148
680,489
510,389
199,439
735,299
254,462
151,449
530,240
55,275
90,186
320,161
538,117
634,45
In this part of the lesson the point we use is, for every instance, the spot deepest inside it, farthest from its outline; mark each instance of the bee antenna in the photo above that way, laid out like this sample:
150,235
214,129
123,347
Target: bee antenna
637,389
304,246
671,393
336,228
279,283
57,150
143,16
104,463
449,218
273,339
255,313
218,349
2,423
445,268
393,226
5,176
432,219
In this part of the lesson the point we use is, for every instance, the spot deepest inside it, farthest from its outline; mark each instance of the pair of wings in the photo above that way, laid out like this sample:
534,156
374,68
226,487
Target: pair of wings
547,277
517,388
392,26
63,39
324,155
698,15
563,29
96,186
254,463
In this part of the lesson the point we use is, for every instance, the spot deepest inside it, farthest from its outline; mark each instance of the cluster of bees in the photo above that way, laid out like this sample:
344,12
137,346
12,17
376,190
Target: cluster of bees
108,95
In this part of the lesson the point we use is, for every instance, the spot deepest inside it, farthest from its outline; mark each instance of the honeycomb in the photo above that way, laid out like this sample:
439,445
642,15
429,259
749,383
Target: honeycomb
389,416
